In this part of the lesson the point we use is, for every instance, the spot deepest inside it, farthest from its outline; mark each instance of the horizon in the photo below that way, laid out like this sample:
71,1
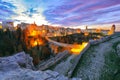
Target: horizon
104,27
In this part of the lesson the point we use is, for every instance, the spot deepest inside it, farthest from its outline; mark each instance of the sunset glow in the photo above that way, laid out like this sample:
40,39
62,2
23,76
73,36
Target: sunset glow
67,13
78,48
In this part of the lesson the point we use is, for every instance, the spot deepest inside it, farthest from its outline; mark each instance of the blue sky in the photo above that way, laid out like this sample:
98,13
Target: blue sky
61,12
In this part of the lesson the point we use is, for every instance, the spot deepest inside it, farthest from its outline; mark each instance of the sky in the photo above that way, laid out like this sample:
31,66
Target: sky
70,13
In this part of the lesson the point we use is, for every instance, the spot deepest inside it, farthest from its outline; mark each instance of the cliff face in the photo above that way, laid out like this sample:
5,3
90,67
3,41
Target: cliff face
101,61
20,60
20,67
27,74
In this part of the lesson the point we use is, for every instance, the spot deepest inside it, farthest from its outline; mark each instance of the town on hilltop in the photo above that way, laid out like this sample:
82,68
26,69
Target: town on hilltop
49,46
24,37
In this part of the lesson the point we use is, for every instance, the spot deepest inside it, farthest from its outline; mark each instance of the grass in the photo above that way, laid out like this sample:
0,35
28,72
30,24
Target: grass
111,70
115,45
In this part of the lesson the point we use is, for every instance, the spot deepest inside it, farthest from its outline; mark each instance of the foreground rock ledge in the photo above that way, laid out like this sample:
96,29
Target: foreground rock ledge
19,60
19,67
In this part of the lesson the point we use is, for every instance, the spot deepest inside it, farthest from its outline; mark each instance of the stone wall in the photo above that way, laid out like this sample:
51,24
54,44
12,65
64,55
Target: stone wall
77,60
52,61
103,39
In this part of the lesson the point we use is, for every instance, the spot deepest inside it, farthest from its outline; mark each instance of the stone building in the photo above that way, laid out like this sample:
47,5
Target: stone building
112,30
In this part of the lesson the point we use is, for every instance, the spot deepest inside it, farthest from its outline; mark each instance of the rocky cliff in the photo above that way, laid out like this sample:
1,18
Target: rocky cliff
20,67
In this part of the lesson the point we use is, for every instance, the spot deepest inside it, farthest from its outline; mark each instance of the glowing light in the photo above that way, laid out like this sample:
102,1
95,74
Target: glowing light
35,43
78,30
33,33
98,30
86,33
40,42
78,48
55,35
36,39
43,31
4,30
0,27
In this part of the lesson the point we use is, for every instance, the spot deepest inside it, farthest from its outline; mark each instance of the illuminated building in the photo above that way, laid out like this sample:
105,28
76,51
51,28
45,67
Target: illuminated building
8,24
112,30
0,26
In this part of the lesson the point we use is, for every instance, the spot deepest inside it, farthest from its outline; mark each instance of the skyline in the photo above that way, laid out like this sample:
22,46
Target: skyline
61,12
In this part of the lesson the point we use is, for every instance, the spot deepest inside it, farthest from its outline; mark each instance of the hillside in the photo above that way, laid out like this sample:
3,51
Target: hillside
101,62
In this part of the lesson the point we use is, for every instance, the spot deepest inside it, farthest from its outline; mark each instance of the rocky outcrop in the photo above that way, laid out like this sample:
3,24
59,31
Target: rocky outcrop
19,67
27,74
19,60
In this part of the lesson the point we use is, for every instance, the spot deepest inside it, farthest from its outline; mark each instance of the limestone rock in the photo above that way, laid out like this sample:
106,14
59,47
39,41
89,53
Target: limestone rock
27,74
19,60
54,74
19,67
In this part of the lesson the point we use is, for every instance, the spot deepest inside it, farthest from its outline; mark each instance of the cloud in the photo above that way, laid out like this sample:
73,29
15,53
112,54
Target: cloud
61,12
6,9
25,12
84,12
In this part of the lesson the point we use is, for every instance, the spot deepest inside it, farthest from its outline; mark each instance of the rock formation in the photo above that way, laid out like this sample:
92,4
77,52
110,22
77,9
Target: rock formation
19,67
19,60
27,74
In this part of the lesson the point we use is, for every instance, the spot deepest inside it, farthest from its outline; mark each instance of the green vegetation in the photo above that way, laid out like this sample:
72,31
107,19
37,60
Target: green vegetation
9,40
115,45
111,70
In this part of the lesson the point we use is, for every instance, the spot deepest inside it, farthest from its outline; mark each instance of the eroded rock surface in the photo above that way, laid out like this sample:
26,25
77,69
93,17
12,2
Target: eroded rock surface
19,60
19,67
27,74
